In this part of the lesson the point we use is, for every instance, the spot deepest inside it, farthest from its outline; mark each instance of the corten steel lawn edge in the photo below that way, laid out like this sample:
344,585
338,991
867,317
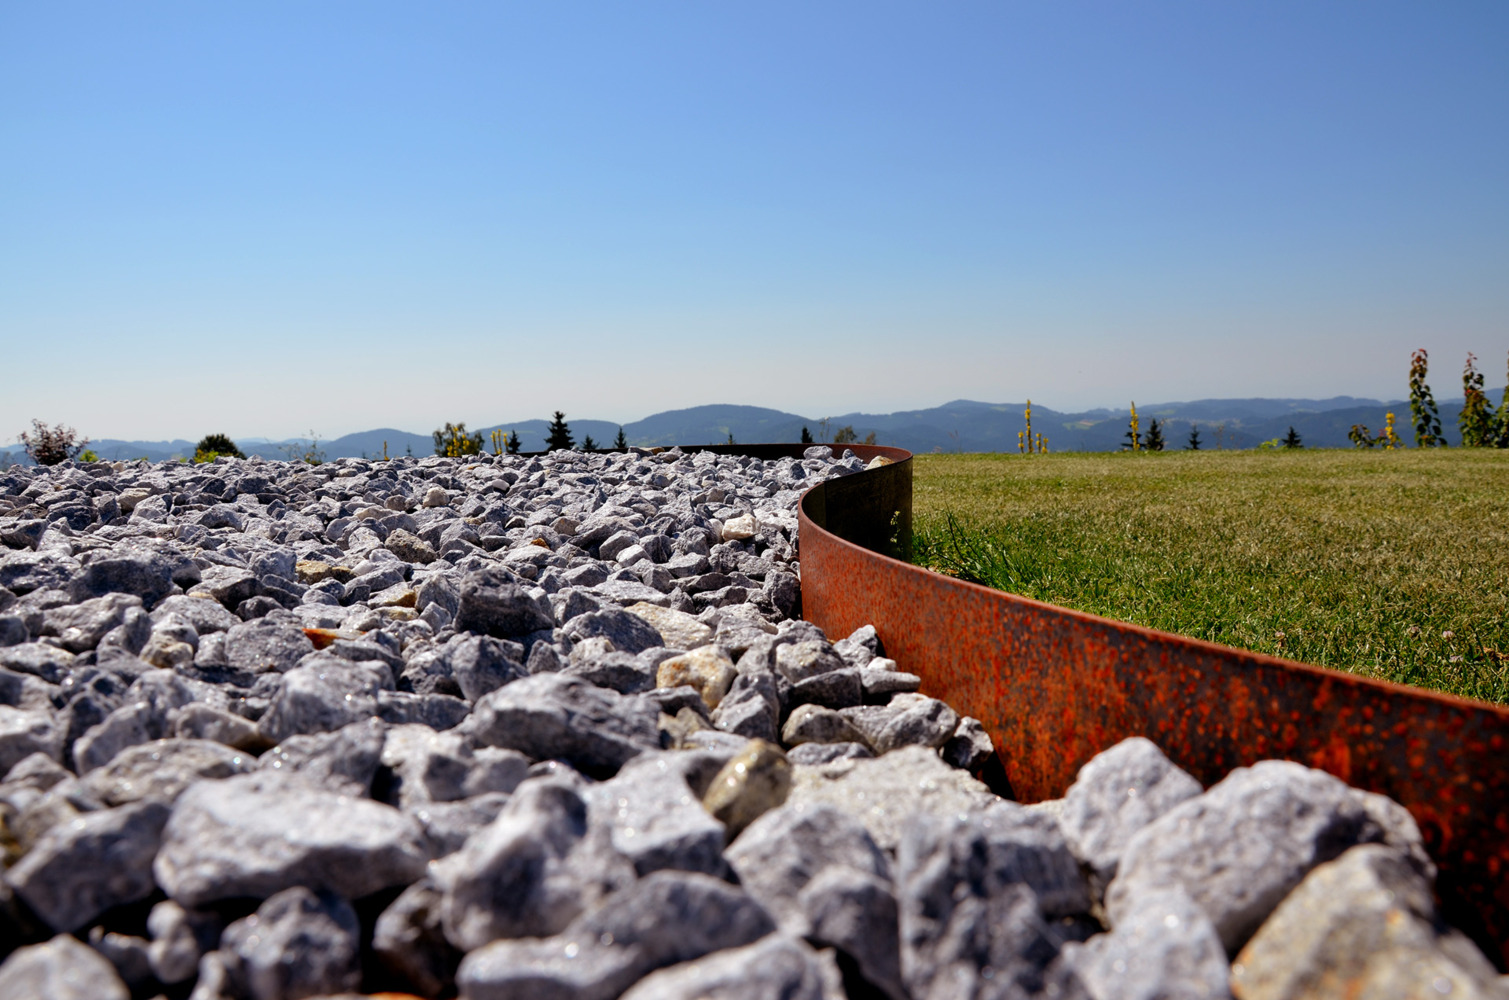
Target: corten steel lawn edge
1055,686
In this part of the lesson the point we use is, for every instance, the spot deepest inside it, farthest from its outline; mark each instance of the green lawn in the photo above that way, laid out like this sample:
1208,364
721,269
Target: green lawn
1390,564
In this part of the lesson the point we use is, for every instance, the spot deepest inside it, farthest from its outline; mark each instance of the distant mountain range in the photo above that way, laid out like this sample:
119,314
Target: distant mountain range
960,426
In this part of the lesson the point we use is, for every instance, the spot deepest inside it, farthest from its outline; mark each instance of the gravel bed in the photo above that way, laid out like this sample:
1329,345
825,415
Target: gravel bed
551,727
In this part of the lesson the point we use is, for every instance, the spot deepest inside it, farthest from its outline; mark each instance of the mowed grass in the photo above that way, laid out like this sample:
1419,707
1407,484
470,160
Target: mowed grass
1389,564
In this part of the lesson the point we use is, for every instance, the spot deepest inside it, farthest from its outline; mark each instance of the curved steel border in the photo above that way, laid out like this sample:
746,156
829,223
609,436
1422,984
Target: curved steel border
1054,687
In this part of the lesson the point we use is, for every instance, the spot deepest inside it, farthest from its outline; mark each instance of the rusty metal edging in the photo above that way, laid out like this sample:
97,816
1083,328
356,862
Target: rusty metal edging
1054,687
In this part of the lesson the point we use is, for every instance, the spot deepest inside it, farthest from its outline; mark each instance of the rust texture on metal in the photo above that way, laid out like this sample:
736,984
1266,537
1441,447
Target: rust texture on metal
1054,687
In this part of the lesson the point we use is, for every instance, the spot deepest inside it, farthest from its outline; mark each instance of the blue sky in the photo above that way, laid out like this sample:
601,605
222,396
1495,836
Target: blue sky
264,218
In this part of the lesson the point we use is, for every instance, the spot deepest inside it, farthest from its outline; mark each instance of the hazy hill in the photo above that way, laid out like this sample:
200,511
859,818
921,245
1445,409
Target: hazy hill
958,426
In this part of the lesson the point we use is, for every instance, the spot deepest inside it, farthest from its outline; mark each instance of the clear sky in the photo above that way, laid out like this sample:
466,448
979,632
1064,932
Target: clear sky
262,218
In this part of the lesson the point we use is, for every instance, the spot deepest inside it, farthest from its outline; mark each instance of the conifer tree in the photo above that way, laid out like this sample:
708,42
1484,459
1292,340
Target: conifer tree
1422,405
806,436
1291,440
620,443
559,436
588,444
1154,439
511,443
1194,438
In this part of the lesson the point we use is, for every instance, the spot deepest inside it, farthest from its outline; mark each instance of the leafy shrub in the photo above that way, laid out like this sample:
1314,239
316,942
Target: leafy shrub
212,446
307,451
1475,420
453,441
88,455
1422,405
51,445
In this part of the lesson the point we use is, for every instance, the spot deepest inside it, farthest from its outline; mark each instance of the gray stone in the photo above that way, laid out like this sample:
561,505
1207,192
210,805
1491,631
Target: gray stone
493,604
448,825
343,762
551,716
1116,794
1164,949
610,547
739,628
800,661
205,615
298,944
481,664
23,572
885,792
324,695
1362,925
127,953
813,754
881,682
835,689
628,592
816,724
664,919
628,632
38,659
62,969
860,647
179,939
227,585
22,534
257,834
943,858
970,747
80,627
145,574
570,602
409,941
774,968
784,591
656,820
531,871
751,708
205,722
161,769
907,720
996,947
427,766
265,645
1241,847
78,870
23,733
786,848
856,913
592,662
495,769
437,711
